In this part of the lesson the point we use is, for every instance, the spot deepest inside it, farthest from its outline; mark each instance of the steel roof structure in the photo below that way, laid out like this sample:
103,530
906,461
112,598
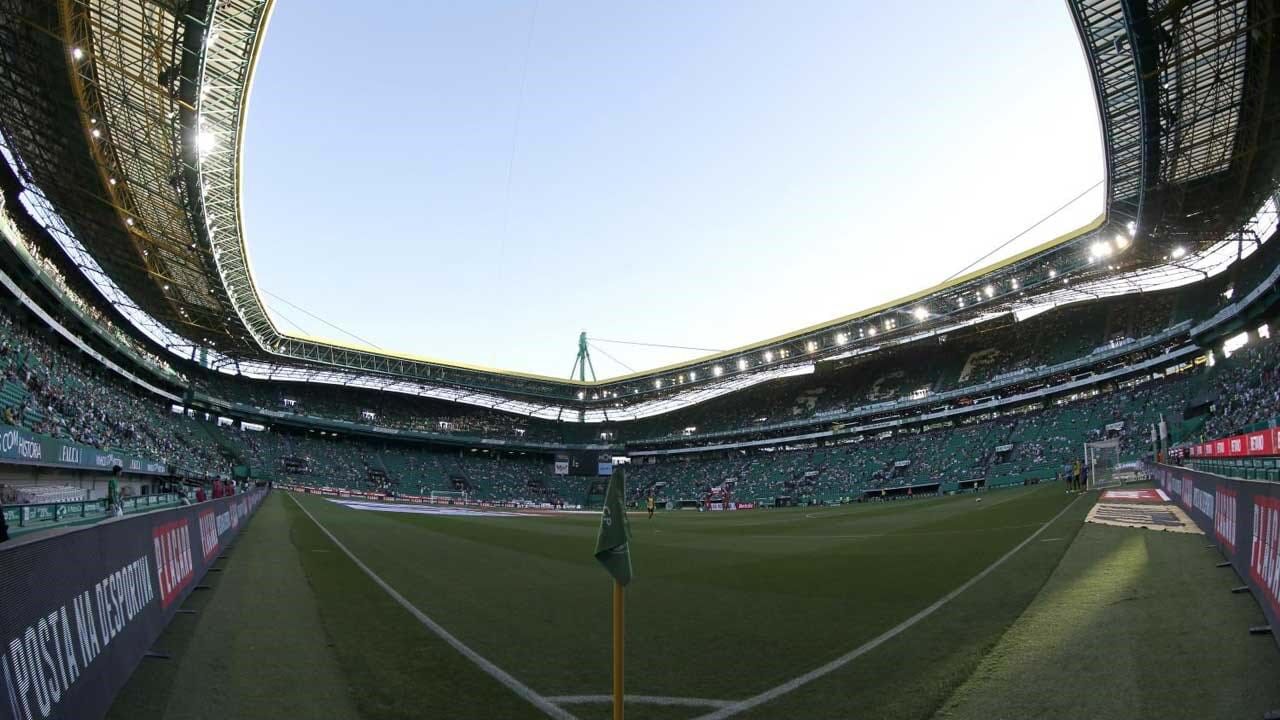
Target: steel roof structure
124,120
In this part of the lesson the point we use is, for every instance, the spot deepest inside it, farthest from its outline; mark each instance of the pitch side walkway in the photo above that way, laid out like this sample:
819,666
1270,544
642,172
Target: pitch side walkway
1133,624
256,647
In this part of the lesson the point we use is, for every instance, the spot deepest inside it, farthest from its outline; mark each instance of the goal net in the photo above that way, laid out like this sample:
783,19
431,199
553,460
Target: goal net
448,497
1101,459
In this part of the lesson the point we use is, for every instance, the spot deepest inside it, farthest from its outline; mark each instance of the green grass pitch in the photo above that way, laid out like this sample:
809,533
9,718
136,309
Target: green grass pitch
724,606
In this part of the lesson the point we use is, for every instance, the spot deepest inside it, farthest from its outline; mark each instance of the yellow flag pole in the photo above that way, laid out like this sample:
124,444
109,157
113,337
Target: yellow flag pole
618,640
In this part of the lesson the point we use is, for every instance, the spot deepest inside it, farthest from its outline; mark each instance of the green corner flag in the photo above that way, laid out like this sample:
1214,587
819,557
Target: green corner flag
612,549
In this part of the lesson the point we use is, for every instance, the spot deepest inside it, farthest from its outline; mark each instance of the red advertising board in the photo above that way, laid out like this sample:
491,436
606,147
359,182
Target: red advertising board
1262,443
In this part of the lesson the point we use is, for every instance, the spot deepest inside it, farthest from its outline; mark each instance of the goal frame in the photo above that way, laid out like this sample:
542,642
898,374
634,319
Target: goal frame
447,496
1092,451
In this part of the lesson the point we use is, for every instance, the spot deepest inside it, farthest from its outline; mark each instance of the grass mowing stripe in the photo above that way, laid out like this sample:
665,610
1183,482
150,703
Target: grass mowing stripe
497,673
879,640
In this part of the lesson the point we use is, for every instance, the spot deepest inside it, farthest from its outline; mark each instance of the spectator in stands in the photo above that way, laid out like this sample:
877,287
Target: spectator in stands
113,493
200,496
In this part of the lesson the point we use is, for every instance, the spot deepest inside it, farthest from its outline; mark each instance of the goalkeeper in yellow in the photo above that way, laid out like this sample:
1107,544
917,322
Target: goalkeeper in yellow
648,504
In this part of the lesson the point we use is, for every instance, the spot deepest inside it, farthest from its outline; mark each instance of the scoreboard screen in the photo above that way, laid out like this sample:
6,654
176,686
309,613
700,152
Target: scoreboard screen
588,463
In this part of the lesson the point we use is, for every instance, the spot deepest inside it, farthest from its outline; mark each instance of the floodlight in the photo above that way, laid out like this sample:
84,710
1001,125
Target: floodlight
921,313
693,375
657,384
1122,242
96,133
1052,273
768,356
841,338
990,291
581,394
813,346
1179,252
1014,282
717,371
871,332
742,364
77,53
206,142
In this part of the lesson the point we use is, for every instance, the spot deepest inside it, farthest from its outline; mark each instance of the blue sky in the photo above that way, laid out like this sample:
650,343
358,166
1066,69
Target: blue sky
480,181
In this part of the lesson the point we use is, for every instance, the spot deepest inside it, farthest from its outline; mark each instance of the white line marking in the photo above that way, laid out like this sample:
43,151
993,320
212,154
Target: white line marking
879,640
494,671
641,700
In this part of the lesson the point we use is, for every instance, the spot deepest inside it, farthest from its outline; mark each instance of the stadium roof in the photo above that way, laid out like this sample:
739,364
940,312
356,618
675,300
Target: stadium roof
124,118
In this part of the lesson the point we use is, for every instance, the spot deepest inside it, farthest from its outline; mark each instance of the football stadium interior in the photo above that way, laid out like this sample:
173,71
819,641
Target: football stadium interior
1049,487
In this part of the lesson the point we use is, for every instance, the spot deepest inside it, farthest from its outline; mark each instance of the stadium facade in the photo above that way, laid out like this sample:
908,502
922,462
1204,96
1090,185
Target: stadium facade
121,128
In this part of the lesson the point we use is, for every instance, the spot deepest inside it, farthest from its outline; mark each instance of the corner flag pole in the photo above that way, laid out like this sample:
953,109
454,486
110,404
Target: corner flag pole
619,638
614,553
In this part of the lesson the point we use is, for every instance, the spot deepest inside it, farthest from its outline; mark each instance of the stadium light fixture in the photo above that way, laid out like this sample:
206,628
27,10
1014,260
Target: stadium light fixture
1133,228
693,375
768,356
128,221
921,313
841,338
113,181
1179,252
96,133
1014,283
717,371
813,346
77,53
1052,273
742,363
657,384
990,291
1099,250
871,332
205,142
960,302
1122,242
581,395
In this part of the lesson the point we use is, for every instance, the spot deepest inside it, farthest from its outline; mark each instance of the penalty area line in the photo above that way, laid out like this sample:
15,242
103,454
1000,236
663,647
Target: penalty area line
497,673
886,636
641,700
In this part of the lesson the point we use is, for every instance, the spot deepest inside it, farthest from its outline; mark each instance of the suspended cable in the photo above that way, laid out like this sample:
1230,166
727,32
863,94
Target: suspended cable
656,345
511,156
604,352
317,317
1011,240
287,319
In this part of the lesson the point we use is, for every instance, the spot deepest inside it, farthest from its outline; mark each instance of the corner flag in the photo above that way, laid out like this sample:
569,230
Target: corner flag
612,548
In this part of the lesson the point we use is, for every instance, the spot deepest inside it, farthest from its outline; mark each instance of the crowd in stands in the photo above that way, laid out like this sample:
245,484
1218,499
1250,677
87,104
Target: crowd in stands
382,409
1248,391
997,350
51,271
52,388
61,393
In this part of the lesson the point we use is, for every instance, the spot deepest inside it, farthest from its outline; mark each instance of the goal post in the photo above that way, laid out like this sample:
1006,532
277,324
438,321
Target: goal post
448,496
1102,457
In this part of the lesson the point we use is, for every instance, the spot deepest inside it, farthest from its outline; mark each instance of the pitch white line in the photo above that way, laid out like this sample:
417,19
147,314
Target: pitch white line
640,700
497,673
891,633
